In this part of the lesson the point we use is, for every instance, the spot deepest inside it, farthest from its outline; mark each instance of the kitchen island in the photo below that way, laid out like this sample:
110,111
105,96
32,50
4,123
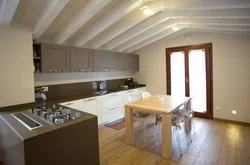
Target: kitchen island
73,142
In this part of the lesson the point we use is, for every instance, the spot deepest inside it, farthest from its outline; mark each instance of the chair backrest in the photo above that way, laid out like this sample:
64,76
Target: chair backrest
188,104
145,95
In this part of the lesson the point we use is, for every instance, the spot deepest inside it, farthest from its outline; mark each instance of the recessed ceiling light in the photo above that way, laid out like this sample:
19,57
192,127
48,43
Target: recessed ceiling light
164,19
144,7
175,28
234,112
148,12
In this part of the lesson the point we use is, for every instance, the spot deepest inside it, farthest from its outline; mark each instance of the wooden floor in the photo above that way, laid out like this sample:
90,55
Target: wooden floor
216,142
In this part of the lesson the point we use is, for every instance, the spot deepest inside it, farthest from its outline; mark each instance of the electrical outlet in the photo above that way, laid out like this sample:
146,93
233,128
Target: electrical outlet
45,89
218,108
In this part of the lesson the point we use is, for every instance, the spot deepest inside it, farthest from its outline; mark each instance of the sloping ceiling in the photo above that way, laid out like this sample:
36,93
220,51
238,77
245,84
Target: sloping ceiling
123,25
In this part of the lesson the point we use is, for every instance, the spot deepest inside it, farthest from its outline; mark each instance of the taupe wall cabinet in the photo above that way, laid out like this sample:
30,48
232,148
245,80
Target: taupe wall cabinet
81,60
133,62
55,58
104,61
122,62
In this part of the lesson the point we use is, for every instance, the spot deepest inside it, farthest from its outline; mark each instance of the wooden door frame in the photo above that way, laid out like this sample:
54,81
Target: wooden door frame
209,74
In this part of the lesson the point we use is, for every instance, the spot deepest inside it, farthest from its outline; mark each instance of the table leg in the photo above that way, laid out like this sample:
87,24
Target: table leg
129,125
166,136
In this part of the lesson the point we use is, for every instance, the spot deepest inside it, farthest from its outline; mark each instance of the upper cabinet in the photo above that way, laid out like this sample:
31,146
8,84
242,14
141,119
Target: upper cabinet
104,61
50,58
55,58
133,62
122,62
81,59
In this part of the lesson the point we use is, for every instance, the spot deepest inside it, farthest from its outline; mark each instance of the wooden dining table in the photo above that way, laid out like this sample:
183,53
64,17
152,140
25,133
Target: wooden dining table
157,104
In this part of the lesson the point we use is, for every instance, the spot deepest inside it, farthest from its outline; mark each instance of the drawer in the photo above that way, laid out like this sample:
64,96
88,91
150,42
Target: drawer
111,100
112,114
90,105
71,104
139,91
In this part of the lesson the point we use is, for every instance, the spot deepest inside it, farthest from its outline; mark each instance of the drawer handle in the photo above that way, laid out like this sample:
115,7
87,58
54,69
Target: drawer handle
90,99
114,108
69,104
130,91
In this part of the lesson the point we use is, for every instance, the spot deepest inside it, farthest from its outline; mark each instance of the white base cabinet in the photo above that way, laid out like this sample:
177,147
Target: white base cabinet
90,105
107,108
112,114
71,104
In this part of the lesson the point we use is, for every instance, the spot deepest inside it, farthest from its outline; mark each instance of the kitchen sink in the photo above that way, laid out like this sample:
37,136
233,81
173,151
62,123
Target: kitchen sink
102,92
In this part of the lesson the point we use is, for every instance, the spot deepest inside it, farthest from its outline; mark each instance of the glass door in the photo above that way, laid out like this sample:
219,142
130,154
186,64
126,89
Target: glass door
189,73
197,79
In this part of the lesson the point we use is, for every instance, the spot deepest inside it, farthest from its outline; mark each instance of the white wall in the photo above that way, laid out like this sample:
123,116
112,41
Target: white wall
231,70
16,67
65,78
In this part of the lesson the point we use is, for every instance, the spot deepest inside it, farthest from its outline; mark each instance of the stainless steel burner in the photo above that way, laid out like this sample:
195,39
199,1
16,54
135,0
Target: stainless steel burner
56,116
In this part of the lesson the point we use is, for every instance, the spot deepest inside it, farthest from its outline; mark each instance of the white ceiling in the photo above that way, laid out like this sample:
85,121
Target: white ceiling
121,25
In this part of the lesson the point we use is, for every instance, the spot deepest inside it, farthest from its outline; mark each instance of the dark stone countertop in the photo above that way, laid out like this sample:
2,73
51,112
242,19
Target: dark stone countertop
51,102
24,133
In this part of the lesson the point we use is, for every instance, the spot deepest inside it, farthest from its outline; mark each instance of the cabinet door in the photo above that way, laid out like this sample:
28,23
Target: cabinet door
90,105
104,61
81,60
112,114
111,100
55,58
133,62
122,61
71,104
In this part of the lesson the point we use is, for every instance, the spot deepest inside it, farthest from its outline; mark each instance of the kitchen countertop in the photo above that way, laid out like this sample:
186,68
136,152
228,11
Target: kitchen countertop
51,102
24,133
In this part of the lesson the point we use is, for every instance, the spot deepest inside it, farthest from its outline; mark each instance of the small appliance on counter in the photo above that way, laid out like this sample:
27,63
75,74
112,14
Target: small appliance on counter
39,95
131,83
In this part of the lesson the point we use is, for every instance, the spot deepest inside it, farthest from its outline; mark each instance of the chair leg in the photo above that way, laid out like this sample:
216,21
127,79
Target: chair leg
145,130
193,125
141,124
175,129
157,134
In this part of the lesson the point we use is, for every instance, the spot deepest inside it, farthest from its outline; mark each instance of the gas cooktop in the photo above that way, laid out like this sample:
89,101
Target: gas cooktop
55,116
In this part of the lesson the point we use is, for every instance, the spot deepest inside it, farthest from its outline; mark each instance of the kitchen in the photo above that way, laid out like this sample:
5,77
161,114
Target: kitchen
91,58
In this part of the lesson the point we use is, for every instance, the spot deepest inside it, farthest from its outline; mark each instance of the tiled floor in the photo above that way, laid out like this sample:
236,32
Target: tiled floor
216,142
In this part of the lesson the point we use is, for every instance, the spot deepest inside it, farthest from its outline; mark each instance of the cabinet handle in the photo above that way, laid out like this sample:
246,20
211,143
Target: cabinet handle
55,70
102,70
59,70
88,70
83,70
106,70
90,99
69,104
114,94
51,70
77,70
114,108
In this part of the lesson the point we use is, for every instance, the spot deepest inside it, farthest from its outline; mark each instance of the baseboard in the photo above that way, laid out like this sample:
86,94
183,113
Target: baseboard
232,121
